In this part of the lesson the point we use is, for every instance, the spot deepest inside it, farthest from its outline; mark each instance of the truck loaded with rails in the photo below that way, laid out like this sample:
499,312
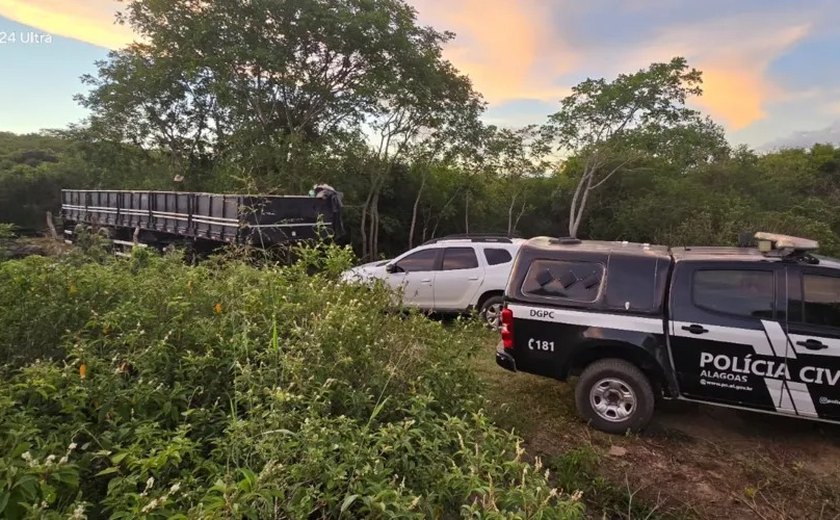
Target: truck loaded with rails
754,328
201,222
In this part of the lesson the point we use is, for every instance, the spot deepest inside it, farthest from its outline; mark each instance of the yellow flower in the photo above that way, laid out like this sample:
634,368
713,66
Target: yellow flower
217,308
72,288
82,371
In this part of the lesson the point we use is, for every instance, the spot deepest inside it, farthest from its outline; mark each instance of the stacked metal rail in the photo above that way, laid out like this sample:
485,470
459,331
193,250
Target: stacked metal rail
162,217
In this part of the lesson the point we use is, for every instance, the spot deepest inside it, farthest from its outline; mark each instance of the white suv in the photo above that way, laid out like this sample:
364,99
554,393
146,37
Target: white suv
449,275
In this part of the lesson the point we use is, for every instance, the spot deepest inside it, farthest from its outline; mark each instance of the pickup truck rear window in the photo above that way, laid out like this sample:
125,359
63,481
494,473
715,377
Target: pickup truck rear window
822,301
573,281
733,291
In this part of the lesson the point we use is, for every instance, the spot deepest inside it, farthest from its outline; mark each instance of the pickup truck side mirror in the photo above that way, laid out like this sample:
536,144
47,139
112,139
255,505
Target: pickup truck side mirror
391,268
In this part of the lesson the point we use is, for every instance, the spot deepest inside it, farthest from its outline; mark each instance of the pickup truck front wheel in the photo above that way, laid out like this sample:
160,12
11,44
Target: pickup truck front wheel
614,396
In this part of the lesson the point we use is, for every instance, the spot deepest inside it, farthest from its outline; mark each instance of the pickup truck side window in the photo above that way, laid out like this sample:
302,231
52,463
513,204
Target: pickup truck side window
497,256
459,258
573,281
420,261
733,291
822,301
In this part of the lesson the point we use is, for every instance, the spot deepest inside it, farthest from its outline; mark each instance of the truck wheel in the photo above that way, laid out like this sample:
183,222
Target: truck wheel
614,396
491,311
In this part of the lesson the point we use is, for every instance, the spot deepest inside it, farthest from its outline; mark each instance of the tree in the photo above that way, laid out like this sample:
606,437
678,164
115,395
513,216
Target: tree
428,110
258,84
603,124
511,155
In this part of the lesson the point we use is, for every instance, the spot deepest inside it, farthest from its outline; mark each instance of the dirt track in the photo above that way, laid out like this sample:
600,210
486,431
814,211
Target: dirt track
694,461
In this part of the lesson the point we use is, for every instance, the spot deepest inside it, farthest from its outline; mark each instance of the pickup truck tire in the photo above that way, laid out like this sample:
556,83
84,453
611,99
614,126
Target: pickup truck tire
614,396
491,311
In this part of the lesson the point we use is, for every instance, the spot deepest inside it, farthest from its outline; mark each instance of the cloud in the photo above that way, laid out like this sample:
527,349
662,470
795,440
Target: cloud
90,21
531,49
501,46
734,54
516,50
827,135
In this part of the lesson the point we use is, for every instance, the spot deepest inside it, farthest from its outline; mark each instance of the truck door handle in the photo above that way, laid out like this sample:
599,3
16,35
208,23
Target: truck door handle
473,278
695,329
426,280
812,344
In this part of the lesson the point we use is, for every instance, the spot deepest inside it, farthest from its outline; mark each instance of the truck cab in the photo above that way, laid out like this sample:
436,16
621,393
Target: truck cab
754,327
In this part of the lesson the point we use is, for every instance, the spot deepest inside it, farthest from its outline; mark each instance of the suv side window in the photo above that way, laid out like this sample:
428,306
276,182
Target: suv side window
420,261
734,291
497,256
459,258
573,281
821,306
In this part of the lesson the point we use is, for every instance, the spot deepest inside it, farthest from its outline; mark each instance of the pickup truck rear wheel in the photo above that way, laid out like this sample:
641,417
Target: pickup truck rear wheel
614,396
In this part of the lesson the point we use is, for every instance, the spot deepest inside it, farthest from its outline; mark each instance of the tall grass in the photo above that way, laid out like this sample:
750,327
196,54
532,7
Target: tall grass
149,388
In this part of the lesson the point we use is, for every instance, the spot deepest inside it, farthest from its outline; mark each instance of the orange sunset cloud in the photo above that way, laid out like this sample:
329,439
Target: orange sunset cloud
90,21
514,49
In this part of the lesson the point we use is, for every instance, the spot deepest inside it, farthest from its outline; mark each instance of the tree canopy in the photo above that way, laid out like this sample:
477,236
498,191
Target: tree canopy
275,96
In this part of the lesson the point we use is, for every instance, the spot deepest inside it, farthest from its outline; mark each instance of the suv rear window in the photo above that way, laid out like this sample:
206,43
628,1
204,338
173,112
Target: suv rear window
574,281
459,258
734,291
497,256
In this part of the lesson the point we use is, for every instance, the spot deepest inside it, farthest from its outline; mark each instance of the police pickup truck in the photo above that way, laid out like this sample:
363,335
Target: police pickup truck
756,328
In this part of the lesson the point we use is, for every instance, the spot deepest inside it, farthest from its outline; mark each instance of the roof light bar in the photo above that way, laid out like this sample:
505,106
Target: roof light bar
784,244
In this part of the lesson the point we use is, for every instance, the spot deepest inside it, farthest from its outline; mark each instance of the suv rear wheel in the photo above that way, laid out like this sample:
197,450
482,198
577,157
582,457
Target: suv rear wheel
614,396
491,311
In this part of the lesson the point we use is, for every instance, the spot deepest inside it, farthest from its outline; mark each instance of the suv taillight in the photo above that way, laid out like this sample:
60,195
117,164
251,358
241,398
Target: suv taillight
507,328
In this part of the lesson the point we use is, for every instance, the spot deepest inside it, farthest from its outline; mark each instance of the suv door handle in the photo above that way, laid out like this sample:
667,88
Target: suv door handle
812,344
695,329
472,278
426,280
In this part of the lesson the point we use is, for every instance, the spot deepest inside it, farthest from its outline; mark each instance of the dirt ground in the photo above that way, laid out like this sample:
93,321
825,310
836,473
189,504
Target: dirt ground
693,461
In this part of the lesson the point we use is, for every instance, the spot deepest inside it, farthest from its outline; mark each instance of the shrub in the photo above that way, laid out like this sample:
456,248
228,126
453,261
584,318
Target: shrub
150,388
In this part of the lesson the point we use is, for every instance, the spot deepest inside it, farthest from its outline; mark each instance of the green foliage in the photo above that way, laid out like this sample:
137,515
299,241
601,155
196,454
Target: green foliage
609,127
147,388
34,168
7,231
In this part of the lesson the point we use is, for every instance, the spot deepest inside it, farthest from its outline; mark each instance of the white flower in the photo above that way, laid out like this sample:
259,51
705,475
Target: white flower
151,506
50,459
72,447
175,487
149,483
79,513
26,456
63,460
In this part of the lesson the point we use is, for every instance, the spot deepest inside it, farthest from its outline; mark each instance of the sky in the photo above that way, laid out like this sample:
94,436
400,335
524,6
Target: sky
771,68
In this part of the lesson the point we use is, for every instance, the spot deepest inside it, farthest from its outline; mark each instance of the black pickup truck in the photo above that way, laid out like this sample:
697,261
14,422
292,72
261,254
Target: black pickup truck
755,328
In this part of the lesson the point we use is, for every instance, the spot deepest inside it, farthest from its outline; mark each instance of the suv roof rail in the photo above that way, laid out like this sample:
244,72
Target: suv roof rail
475,237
